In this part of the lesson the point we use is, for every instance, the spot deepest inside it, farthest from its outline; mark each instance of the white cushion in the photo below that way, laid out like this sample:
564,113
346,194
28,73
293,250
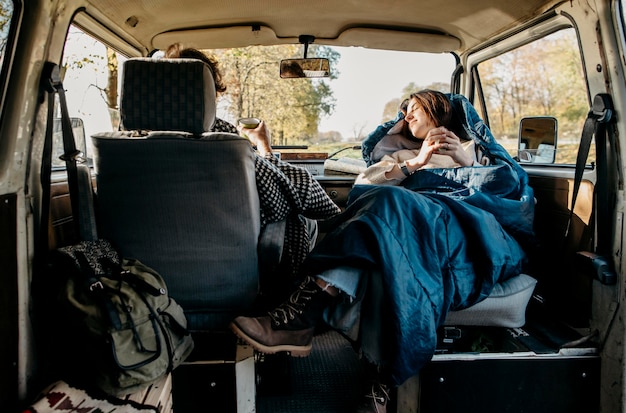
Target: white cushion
505,306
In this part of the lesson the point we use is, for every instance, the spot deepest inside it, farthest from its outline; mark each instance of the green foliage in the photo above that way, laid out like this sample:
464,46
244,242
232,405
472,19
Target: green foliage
293,107
332,55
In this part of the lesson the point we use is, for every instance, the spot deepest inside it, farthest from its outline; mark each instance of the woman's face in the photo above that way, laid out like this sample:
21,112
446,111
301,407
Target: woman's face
419,123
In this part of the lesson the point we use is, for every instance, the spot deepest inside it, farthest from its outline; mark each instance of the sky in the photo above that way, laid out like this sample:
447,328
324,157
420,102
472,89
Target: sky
368,79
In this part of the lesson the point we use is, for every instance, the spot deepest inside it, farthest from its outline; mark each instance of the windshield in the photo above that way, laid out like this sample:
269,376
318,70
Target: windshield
365,89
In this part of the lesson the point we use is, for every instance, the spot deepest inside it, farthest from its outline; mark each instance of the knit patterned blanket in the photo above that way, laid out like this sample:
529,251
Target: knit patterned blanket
61,397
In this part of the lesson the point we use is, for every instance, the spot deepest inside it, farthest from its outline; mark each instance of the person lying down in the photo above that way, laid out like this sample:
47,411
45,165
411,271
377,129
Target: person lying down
427,230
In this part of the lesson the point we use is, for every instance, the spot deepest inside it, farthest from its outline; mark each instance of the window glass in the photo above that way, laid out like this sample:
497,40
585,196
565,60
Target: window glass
542,78
90,75
365,89
7,9
621,23
6,14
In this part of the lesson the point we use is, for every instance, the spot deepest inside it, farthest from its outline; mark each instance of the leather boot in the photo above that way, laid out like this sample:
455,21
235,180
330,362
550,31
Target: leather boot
290,326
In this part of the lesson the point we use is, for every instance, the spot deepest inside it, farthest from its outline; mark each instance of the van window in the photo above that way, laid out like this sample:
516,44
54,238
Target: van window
542,78
90,77
621,22
7,19
325,115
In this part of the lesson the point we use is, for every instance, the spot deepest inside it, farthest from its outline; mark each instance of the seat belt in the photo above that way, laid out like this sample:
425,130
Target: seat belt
599,123
79,184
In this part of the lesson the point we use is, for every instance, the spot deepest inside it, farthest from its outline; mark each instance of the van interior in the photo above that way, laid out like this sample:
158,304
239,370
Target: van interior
546,77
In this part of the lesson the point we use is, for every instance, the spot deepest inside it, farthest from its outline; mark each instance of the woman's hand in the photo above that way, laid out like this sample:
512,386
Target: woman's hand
259,136
440,141
444,142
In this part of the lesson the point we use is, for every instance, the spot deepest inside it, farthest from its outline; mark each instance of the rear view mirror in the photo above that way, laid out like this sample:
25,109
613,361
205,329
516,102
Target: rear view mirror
298,68
537,139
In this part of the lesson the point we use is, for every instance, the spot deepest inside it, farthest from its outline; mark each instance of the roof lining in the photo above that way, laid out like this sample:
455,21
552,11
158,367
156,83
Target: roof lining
256,34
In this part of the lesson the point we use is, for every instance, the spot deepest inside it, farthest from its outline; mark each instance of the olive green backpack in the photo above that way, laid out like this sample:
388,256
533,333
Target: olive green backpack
123,332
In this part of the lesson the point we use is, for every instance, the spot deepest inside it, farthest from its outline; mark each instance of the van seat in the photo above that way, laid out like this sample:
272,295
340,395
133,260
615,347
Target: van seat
505,306
178,198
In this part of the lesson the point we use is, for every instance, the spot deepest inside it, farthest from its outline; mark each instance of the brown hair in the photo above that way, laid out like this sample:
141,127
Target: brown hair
176,51
404,105
438,108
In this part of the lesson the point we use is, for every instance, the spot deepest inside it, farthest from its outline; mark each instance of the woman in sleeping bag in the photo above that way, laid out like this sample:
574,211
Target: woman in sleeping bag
430,228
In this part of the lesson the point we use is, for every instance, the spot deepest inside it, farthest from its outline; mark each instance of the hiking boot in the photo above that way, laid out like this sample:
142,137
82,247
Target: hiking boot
375,399
290,326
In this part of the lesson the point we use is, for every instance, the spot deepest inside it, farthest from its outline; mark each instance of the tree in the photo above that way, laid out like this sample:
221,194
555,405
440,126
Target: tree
536,80
358,131
293,107
6,13
91,55
413,87
329,137
390,111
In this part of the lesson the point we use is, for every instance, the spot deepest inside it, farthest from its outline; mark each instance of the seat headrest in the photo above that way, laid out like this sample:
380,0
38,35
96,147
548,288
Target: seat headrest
167,95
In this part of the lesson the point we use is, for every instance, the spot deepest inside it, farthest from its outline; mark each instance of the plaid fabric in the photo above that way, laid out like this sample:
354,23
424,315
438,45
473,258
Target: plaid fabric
291,193
223,126
163,94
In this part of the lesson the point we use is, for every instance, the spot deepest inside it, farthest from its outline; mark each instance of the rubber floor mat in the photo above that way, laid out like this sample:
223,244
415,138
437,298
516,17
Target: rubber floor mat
328,381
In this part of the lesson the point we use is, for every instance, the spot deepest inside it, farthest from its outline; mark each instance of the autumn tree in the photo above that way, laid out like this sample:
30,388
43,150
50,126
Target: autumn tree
293,107
92,55
536,80
111,89
6,12
390,111
358,130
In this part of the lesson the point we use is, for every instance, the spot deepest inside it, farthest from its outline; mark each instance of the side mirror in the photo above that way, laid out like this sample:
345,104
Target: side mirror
537,139
298,68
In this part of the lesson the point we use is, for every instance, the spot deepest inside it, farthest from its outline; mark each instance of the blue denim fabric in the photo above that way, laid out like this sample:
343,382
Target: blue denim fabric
345,315
346,279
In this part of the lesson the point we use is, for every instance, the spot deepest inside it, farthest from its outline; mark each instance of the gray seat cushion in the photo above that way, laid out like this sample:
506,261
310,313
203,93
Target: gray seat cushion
505,306
188,208
167,95
181,199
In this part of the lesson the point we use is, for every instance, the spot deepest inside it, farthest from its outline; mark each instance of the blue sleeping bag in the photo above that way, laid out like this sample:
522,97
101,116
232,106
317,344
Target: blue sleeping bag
441,241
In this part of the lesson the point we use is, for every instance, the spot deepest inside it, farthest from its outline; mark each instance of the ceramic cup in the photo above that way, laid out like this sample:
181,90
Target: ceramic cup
249,123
